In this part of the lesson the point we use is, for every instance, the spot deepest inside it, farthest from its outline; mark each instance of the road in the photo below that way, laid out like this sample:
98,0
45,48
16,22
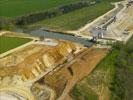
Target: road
16,49
87,26
19,47
124,20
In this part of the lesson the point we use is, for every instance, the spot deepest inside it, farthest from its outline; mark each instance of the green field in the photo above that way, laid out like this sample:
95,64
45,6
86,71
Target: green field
78,18
8,43
112,76
70,21
13,8
99,79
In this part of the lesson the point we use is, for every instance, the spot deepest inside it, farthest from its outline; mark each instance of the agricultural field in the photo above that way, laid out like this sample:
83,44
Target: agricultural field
14,8
8,43
34,13
77,18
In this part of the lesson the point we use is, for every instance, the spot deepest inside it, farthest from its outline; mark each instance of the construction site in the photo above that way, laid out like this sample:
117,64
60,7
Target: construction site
48,68
115,24
55,64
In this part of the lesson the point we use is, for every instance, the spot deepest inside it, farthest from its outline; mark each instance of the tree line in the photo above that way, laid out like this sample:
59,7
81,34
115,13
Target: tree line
122,84
38,16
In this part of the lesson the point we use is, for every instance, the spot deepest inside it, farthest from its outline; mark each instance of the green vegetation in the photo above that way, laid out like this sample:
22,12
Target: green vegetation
122,84
61,14
99,80
112,76
14,8
8,43
77,18
82,92
33,11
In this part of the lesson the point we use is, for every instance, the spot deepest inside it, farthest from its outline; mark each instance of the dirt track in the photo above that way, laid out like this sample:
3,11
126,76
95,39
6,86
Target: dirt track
123,22
81,66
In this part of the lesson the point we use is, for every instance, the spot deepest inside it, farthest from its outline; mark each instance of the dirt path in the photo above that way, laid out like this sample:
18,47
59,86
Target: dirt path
124,22
87,61
16,49
98,19
87,26
2,33
22,91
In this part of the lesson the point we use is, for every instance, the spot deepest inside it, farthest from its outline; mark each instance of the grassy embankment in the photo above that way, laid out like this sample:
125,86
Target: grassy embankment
112,79
8,43
78,18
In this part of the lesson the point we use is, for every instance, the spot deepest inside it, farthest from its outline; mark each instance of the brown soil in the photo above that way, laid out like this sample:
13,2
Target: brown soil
23,61
65,78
